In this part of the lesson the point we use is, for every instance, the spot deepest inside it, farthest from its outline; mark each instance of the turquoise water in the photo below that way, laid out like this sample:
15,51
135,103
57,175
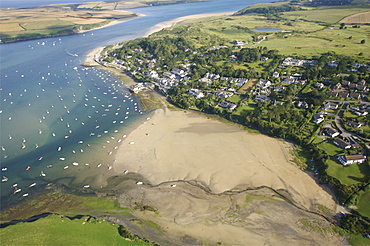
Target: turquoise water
56,113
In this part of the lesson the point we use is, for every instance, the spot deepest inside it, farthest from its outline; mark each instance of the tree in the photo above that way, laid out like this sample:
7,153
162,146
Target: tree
362,41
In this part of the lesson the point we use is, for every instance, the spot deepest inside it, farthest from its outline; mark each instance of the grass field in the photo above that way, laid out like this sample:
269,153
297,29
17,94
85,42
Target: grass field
59,230
358,240
330,148
311,32
235,99
325,14
363,205
348,175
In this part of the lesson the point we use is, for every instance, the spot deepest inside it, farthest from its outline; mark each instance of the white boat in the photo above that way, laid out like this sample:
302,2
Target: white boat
26,194
41,158
4,179
59,148
66,167
42,174
10,137
62,158
86,186
32,185
4,169
53,134
99,165
2,148
17,190
139,183
75,163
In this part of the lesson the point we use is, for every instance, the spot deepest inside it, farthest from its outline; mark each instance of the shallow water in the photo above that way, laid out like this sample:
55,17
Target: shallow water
56,113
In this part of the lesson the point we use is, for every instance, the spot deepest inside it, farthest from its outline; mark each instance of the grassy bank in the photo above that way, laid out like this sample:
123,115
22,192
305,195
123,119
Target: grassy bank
62,230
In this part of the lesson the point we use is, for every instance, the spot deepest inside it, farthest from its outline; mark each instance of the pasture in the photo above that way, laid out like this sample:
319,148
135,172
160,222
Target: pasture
60,230
305,33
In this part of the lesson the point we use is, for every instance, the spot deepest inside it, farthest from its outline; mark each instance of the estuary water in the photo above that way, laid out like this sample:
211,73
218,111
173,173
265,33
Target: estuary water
62,122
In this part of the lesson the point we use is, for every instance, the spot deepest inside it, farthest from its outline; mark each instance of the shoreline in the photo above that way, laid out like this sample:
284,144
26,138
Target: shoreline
158,27
90,57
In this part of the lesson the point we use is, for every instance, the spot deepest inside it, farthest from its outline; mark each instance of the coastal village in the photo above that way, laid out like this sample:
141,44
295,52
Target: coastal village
290,164
346,101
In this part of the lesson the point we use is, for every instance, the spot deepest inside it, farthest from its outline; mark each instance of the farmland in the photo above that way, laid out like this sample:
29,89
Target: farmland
306,32
63,19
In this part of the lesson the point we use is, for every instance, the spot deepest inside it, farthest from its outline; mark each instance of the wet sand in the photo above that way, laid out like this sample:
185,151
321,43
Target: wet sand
178,145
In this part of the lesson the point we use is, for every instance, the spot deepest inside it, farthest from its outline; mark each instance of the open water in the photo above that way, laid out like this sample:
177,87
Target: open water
62,122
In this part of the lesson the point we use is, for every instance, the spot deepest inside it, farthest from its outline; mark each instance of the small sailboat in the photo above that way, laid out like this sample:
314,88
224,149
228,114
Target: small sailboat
28,168
42,174
4,179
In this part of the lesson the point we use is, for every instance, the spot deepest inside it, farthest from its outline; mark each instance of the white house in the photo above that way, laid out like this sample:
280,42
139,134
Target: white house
351,159
318,118
196,93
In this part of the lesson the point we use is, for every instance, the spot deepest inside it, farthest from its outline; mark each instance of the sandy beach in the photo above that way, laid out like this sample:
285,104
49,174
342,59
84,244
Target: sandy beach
178,145
90,58
172,22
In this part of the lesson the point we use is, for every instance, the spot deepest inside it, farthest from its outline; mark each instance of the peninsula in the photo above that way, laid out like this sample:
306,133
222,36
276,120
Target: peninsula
19,24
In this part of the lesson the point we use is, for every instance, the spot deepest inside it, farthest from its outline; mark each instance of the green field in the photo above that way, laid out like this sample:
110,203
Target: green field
364,204
325,14
60,230
235,99
331,149
310,32
349,175
358,240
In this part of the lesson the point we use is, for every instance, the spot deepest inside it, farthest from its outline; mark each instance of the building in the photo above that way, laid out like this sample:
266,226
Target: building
331,132
196,93
228,105
318,118
351,159
342,144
